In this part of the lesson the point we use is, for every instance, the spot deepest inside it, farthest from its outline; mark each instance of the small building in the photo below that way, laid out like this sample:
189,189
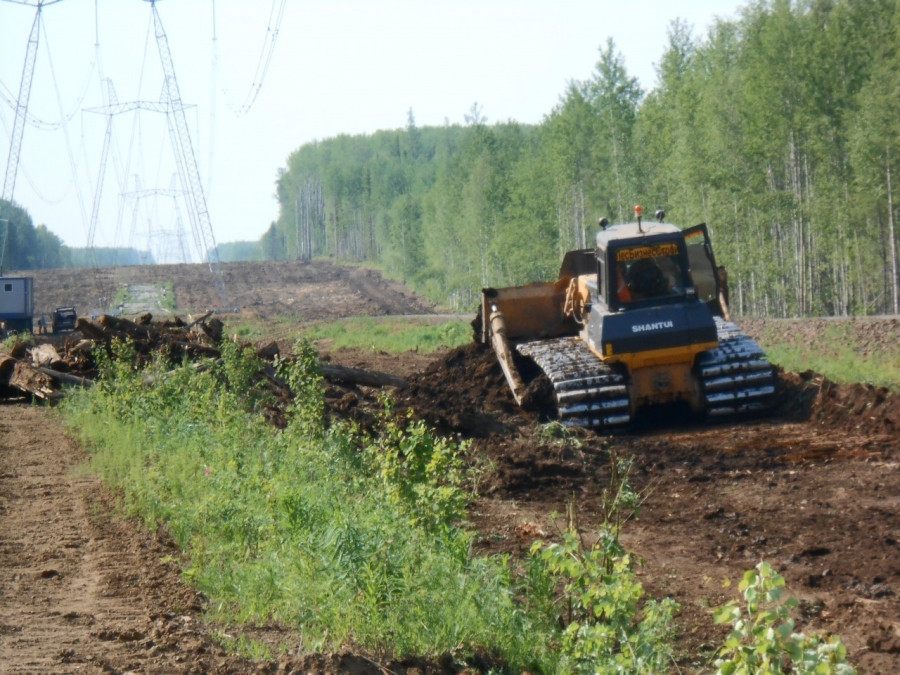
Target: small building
17,303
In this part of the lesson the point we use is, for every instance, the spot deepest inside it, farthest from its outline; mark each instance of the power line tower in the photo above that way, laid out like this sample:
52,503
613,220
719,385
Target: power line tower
156,232
186,160
15,141
112,108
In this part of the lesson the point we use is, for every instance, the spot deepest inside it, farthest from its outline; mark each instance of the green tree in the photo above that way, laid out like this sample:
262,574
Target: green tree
875,155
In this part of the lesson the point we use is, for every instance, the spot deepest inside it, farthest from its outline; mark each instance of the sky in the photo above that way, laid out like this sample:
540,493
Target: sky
256,88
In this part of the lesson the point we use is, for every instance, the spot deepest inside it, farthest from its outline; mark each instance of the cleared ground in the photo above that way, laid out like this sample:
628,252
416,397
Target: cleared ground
815,490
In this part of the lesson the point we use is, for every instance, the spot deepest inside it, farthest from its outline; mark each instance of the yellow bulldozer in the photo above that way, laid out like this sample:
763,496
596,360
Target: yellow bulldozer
640,320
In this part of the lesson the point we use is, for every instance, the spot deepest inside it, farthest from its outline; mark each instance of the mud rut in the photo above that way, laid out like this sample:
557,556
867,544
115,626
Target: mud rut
816,491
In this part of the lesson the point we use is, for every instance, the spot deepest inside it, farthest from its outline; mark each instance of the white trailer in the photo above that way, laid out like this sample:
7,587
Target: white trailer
17,303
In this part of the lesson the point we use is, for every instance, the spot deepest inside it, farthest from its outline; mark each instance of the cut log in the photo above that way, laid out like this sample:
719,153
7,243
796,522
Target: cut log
66,378
81,348
121,325
91,329
31,381
44,355
199,319
367,378
7,364
196,348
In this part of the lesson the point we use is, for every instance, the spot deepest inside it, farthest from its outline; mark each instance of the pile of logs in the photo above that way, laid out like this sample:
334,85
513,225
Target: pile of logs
44,366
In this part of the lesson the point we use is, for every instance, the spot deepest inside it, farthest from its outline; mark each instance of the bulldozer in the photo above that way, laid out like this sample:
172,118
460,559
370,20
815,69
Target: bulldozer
637,322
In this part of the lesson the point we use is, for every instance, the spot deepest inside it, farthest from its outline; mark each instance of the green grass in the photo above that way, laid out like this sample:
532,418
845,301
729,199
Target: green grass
243,646
836,353
390,335
355,540
393,335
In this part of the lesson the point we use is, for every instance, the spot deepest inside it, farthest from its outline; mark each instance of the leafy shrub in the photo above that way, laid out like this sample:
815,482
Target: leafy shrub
422,474
609,626
304,378
763,641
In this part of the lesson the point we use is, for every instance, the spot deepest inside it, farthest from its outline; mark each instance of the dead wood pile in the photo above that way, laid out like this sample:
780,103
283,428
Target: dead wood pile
40,368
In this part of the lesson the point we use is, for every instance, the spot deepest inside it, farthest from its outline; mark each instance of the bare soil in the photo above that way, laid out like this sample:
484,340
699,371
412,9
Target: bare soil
814,489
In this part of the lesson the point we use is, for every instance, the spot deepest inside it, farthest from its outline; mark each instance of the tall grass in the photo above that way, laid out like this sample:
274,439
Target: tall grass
834,352
385,334
359,540
309,526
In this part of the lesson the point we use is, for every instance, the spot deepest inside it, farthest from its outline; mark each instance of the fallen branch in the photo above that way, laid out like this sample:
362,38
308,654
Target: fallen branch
366,378
68,378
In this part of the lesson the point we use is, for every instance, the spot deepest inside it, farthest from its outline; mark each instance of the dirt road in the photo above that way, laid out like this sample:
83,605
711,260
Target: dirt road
257,291
83,591
815,490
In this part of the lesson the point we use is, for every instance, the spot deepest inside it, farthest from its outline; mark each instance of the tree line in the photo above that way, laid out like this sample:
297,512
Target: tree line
777,129
24,246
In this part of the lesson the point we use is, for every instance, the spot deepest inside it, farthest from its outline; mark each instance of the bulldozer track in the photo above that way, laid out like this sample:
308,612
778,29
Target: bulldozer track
736,378
588,392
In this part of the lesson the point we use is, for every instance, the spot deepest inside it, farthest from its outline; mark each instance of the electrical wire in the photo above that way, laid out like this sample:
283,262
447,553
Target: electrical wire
276,15
65,130
213,95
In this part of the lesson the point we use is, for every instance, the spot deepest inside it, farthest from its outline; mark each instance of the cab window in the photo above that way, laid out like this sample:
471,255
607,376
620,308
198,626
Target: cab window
648,272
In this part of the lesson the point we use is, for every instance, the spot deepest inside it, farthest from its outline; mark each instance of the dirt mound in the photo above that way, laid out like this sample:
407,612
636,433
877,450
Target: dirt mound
465,392
857,407
257,290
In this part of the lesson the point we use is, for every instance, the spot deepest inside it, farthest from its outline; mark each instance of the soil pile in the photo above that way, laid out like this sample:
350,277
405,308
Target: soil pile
465,392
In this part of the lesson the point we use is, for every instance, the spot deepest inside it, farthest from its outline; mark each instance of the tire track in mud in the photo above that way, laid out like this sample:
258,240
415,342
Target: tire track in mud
82,590
53,561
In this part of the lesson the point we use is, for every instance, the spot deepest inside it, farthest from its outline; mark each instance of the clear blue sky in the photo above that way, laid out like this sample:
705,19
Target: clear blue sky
338,66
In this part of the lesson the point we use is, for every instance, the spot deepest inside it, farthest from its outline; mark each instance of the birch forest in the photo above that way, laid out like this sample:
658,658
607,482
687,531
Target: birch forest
780,130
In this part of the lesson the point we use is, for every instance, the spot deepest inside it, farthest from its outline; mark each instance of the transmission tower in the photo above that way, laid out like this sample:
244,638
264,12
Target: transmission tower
111,109
186,160
139,194
15,141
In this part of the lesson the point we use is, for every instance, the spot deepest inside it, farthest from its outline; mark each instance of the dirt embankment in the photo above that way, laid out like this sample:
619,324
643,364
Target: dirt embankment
814,489
262,291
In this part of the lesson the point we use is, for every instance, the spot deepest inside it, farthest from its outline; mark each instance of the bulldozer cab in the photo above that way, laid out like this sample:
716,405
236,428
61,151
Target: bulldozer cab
663,267
643,271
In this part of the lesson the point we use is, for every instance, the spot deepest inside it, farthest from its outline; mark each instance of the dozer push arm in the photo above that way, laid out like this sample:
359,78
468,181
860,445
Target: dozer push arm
504,354
520,314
